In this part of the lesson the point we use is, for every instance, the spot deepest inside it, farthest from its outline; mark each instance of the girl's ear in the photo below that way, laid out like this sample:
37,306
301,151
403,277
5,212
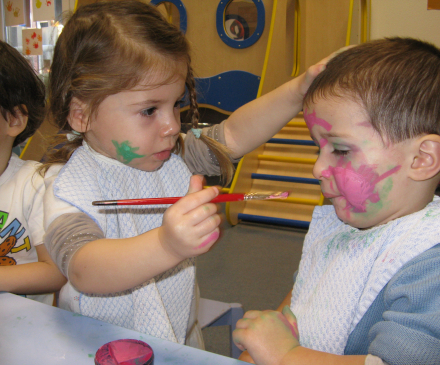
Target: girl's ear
17,123
426,162
78,117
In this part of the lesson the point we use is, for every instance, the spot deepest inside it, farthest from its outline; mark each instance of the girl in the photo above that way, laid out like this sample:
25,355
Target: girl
118,76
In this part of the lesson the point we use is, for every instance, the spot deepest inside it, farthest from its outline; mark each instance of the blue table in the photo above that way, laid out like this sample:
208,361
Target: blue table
35,333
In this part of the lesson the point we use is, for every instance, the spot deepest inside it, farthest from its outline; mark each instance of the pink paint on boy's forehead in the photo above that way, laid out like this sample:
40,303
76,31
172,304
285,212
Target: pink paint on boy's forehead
322,142
312,120
357,186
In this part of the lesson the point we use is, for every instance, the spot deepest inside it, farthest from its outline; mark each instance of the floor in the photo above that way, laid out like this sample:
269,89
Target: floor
251,264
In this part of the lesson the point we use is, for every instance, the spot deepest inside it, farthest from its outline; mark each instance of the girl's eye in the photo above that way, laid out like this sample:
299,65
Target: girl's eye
148,112
179,103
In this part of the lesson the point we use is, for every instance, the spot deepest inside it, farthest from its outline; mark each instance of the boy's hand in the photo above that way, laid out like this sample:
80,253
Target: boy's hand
268,336
191,226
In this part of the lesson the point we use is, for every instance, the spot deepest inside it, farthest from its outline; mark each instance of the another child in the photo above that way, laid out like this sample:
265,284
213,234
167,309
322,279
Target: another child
368,282
25,265
118,77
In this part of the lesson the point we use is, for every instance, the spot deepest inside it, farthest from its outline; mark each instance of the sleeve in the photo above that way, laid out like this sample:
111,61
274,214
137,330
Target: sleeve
410,330
53,206
67,234
67,228
198,157
35,194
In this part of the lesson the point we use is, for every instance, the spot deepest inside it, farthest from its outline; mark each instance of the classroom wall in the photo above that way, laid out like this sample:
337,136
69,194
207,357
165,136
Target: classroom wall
406,18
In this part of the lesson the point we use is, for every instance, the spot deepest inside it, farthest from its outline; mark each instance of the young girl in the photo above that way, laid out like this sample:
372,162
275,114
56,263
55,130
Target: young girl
118,76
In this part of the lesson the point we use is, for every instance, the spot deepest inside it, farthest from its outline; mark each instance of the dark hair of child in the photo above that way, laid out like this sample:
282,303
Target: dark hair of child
20,87
397,80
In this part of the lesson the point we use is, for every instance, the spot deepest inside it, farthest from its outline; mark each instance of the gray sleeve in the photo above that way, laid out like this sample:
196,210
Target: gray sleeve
67,234
198,157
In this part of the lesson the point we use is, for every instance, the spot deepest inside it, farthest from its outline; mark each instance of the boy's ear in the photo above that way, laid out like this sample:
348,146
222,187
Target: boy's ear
78,117
426,161
17,123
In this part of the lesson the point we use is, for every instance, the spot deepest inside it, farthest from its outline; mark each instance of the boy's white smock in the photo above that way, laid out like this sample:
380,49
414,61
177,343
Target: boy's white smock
343,269
160,306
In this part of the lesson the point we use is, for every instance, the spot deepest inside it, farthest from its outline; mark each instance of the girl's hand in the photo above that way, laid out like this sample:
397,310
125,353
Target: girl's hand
268,336
191,226
307,77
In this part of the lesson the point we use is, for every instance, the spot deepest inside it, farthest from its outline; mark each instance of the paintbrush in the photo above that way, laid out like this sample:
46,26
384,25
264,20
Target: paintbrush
218,199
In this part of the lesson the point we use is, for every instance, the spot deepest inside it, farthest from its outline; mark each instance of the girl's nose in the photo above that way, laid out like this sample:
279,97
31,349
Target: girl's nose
171,126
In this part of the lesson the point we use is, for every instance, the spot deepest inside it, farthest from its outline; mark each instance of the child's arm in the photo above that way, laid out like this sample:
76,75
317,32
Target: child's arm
271,338
257,121
32,278
189,228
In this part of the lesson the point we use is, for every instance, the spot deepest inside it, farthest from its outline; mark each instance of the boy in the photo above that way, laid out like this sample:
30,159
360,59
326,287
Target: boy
367,289
25,265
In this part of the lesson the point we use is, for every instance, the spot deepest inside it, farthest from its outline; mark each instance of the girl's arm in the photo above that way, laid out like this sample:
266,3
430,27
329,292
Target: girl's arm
33,278
189,228
257,121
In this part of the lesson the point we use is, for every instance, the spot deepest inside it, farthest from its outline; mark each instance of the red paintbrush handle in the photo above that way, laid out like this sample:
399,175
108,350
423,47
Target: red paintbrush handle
228,198
171,200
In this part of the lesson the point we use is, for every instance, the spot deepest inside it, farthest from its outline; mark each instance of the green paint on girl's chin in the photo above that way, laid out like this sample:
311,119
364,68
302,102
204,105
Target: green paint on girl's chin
125,152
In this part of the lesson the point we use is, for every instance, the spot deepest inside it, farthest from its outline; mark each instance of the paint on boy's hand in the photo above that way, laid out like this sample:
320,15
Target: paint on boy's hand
311,120
125,152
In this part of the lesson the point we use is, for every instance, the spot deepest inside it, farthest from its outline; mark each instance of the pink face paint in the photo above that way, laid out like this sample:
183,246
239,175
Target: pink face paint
357,186
289,325
213,237
322,142
312,120
125,352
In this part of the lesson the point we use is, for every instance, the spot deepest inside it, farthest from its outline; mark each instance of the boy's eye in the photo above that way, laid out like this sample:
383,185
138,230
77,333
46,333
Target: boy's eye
341,152
148,112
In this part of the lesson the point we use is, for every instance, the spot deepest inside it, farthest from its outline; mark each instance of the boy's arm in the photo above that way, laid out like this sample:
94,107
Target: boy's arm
32,278
245,356
272,338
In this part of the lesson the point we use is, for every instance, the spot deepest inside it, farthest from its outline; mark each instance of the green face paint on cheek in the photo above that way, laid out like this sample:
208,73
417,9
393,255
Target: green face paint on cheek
125,152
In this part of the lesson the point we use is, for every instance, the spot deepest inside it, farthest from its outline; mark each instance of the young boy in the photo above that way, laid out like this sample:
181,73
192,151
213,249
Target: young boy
367,289
25,265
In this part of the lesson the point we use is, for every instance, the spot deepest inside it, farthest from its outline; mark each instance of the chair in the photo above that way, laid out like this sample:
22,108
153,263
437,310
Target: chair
214,313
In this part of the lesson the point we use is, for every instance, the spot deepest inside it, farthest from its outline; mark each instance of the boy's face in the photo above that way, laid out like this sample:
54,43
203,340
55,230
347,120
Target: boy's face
360,173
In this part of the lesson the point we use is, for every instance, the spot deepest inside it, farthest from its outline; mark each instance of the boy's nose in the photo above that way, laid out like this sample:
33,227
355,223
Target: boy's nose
318,168
170,127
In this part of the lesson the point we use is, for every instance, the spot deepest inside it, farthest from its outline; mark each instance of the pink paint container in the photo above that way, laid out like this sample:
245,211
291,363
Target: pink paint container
125,352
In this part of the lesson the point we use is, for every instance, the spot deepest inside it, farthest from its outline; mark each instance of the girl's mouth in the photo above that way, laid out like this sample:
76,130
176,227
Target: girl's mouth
163,155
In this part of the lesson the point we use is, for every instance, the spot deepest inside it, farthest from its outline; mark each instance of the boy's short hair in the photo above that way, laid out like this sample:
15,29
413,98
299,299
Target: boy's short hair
396,79
20,87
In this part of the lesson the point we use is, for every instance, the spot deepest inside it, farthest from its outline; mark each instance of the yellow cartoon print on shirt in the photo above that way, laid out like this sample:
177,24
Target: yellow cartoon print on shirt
11,233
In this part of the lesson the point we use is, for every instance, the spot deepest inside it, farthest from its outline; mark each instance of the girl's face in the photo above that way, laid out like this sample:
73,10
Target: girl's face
139,127
359,172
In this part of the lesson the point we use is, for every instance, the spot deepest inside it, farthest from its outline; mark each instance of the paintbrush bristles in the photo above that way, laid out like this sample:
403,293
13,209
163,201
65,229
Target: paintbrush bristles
263,196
